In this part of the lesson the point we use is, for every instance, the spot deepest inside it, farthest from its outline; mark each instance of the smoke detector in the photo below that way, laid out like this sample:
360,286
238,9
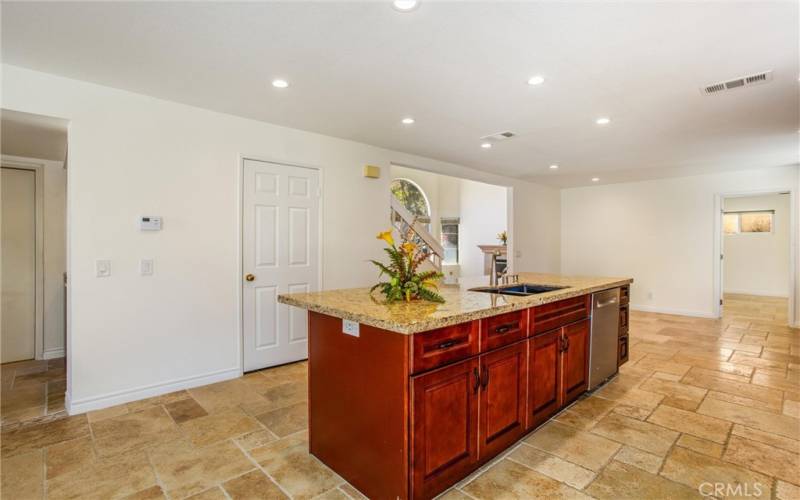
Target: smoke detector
500,136
737,83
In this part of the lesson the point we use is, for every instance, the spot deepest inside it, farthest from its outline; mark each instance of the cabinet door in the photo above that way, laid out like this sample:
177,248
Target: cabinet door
543,376
575,361
444,419
502,398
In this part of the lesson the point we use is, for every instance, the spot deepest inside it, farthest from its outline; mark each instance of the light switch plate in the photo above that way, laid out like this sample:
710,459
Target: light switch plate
146,267
102,268
350,327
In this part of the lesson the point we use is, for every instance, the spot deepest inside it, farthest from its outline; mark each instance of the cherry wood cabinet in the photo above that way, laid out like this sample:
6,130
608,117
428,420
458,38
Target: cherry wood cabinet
444,426
574,361
503,329
544,376
502,398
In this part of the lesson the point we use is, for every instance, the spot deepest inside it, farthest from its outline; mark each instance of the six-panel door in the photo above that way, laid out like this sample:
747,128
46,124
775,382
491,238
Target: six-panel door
575,361
502,398
544,376
444,424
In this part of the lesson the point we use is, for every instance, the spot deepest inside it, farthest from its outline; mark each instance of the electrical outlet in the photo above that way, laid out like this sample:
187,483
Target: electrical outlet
102,268
146,267
350,327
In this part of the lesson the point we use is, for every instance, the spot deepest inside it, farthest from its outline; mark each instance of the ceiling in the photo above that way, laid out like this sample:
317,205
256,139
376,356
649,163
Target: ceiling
460,69
33,136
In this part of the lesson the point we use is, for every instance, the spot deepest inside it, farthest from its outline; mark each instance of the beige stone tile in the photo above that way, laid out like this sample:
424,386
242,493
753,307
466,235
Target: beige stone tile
113,411
705,427
285,421
336,494
22,414
631,397
663,366
151,493
184,410
353,493
214,493
632,411
685,395
22,398
774,382
163,399
745,360
719,374
642,435
133,431
769,438
509,480
700,445
233,423
551,466
740,389
786,491
619,480
451,494
791,408
34,437
225,395
255,439
111,477
297,472
279,396
667,376
763,458
69,456
586,412
253,486
773,406
714,365
751,417
638,458
693,469
186,470
573,445
22,476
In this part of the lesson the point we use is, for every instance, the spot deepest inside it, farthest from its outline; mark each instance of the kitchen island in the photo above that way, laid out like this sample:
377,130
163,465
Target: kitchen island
407,399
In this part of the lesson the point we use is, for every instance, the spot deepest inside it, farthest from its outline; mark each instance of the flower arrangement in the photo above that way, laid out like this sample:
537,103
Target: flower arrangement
503,237
405,283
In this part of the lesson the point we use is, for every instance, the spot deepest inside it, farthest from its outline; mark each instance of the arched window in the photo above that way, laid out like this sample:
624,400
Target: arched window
413,198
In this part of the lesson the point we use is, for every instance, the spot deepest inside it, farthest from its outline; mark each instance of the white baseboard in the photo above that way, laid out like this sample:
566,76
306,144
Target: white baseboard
759,293
116,398
667,310
53,353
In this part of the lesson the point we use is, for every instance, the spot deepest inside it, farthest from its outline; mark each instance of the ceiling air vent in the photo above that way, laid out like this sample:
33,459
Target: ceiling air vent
500,136
742,81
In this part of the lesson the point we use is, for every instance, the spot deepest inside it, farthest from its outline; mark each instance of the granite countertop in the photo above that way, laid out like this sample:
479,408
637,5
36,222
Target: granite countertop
356,304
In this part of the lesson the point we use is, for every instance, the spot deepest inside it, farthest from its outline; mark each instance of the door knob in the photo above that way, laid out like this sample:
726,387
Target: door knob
249,277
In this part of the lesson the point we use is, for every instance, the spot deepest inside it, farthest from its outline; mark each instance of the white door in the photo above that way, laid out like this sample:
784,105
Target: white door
280,253
19,264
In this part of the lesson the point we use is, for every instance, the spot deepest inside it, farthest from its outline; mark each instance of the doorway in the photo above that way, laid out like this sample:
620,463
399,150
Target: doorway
756,237
280,254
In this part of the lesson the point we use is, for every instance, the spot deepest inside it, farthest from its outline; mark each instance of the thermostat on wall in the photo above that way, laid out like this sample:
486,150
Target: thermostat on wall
150,223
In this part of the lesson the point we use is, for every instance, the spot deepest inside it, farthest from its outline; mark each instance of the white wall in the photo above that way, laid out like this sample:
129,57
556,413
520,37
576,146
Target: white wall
129,154
758,263
659,232
483,215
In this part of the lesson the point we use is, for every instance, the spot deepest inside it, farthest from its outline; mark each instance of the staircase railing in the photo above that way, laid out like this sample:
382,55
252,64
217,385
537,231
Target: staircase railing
403,220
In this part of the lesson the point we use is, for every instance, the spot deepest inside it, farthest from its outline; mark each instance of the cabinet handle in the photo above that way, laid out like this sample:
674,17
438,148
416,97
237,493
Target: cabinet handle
446,344
477,383
485,381
566,344
506,328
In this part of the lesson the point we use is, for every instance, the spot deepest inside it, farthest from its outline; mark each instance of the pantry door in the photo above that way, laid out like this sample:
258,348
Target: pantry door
280,254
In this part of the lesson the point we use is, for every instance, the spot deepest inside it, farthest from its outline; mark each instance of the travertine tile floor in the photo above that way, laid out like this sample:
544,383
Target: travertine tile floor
702,404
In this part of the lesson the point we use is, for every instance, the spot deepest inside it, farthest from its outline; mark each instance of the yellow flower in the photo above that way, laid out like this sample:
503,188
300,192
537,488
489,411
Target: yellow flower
409,247
386,236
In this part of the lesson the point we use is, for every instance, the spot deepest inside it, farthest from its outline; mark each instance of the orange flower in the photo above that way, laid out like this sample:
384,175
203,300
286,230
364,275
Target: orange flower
408,247
387,237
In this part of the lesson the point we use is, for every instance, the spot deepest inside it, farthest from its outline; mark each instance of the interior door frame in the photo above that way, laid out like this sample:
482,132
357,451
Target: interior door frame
718,245
37,167
240,240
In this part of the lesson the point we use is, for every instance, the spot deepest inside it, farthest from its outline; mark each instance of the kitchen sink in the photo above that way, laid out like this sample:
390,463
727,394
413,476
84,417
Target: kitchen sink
521,289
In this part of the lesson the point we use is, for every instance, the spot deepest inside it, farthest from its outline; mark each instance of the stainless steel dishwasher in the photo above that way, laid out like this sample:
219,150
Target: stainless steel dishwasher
604,336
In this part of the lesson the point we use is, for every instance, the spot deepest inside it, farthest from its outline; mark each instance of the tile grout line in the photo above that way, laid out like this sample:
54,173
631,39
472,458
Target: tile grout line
258,466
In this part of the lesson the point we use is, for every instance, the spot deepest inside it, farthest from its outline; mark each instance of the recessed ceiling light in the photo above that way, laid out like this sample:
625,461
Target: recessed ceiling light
536,80
554,167
595,179
280,84
486,145
603,121
407,121
405,5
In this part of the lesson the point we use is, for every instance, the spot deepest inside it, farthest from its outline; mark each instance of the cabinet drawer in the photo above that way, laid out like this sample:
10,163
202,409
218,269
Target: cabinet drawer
556,314
444,345
503,329
622,353
624,295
